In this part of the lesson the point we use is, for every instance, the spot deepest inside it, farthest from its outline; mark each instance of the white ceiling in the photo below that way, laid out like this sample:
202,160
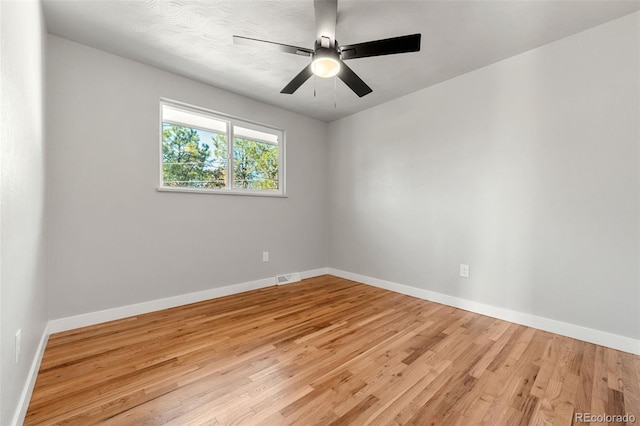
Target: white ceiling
194,39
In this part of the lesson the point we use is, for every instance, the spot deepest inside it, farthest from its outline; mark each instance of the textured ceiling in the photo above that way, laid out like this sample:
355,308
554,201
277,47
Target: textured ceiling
194,39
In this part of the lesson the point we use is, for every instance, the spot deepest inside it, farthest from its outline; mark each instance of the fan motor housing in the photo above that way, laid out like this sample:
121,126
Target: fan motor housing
325,52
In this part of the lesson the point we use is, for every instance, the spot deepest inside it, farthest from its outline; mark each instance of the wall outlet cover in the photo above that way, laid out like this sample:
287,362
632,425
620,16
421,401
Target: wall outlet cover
464,270
18,344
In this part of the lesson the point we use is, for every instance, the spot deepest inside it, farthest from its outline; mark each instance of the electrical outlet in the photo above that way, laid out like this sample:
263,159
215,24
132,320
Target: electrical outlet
464,270
265,256
18,344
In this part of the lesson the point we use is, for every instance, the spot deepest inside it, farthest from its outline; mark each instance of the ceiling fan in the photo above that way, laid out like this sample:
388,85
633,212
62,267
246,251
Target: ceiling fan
327,57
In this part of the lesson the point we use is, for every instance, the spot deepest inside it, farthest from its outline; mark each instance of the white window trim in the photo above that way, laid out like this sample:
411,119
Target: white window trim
231,121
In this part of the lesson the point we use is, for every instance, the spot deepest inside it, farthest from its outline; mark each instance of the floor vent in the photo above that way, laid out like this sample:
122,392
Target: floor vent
288,278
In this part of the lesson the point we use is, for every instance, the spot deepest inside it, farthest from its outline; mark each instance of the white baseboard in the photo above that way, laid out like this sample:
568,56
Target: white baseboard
313,273
92,318
25,397
590,335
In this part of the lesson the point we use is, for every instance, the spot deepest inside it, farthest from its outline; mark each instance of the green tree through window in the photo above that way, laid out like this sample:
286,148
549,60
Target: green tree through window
255,164
187,162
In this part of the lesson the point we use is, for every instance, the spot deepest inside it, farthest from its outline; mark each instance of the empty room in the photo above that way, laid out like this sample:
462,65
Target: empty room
319,212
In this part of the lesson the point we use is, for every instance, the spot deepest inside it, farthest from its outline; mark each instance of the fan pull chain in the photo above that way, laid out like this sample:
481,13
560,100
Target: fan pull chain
314,86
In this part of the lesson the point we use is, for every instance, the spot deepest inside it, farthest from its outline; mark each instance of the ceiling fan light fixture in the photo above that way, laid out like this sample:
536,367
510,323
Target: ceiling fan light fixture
325,63
325,67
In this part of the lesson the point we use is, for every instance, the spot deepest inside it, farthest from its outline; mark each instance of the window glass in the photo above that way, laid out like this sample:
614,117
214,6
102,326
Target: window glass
203,150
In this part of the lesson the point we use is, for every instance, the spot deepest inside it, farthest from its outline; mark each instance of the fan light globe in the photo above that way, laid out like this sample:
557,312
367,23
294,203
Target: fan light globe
325,67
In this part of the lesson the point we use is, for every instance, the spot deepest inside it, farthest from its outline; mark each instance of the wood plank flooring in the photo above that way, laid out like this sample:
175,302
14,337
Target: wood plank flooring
326,351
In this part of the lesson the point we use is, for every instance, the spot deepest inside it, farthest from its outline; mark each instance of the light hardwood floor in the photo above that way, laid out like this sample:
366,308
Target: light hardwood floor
326,351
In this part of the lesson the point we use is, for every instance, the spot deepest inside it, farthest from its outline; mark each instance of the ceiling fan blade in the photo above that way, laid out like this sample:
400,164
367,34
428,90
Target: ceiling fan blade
389,46
326,17
352,80
271,45
298,80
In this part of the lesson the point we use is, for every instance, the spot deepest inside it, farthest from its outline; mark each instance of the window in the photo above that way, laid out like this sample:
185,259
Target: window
208,152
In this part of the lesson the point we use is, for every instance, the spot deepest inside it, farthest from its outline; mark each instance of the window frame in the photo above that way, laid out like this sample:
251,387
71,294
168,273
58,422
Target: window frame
231,122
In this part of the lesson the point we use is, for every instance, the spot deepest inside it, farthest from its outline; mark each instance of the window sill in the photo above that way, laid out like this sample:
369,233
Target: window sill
222,192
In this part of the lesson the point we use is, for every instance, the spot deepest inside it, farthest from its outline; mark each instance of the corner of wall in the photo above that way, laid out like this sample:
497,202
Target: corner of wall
22,203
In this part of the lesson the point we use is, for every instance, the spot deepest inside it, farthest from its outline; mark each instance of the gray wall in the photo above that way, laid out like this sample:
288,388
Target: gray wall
527,170
115,240
22,195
